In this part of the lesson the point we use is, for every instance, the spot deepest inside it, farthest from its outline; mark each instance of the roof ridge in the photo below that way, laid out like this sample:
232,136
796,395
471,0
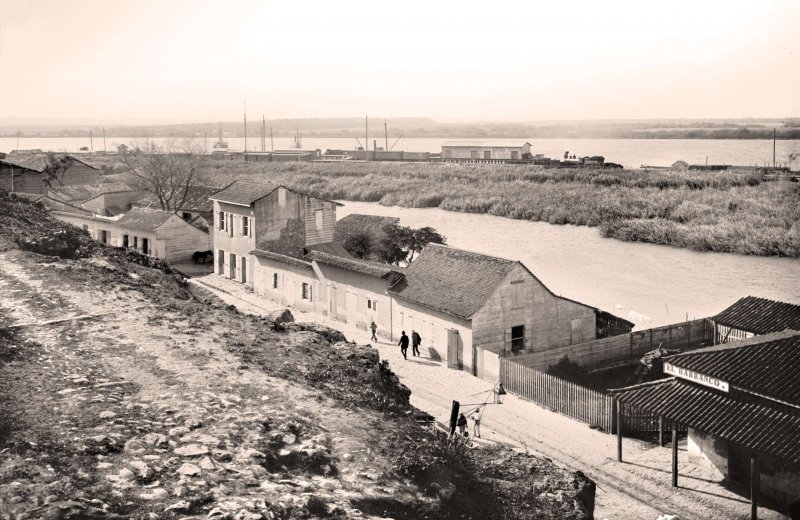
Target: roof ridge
461,250
760,339
643,385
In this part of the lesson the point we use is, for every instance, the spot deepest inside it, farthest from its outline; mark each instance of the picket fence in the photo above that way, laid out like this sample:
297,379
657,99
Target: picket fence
586,405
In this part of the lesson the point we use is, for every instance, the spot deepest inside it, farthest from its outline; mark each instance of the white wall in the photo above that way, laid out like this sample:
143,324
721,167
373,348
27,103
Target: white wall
290,281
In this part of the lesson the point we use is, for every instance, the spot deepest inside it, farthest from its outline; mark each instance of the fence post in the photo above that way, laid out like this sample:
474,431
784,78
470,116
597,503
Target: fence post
674,454
613,416
619,434
660,431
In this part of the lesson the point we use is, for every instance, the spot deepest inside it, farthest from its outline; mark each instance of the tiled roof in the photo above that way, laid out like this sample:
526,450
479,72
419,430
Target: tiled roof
367,222
760,316
352,264
38,161
452,280
278,257
332,248
81,192
753,425
197,199
244,192
768,365
142,219
18,168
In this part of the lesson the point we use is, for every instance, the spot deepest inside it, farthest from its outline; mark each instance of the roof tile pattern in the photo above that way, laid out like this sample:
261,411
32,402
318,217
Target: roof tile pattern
142,219
352,264
278,257
452,280
760,315
244,192
760,427
768,364
332,248
197,199
82,192
39,161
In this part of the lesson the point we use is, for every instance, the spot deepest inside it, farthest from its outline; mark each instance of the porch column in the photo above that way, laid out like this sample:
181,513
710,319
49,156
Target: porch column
660,431
755,485
619,432
674,454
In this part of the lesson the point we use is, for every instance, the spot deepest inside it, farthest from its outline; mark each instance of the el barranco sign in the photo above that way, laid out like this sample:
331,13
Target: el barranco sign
697,377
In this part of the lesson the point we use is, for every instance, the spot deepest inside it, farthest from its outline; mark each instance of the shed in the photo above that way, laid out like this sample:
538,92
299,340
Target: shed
752,315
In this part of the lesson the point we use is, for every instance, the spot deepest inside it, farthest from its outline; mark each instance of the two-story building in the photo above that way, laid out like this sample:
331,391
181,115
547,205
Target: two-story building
260,228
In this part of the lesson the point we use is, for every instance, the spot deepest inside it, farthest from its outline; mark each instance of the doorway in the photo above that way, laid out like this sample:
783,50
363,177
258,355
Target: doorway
221,262
232,274
145,246
455,350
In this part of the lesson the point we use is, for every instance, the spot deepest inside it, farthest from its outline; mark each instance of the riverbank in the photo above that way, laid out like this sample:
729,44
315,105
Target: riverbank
703,211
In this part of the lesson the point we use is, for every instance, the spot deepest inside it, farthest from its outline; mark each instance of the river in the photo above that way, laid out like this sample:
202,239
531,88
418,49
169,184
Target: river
649,284
629,152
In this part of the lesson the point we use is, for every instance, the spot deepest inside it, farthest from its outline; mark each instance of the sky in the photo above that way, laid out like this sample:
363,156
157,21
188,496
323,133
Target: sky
191,61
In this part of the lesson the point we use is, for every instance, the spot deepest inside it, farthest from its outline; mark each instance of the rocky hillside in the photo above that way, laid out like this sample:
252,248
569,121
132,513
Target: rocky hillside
123,394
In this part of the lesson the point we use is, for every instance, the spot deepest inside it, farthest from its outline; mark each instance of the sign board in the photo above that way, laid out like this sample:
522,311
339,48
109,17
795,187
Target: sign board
697,377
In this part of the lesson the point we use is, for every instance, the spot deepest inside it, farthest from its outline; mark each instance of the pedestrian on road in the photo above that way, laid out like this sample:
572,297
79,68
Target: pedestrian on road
462,425
374,328
416,340
404,344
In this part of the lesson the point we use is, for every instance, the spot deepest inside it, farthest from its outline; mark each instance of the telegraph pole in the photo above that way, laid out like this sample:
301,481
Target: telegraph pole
386,135
773,147
91,140
245,126
105,150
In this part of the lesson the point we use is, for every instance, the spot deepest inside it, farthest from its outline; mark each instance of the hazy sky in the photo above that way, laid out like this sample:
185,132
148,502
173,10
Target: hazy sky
173,61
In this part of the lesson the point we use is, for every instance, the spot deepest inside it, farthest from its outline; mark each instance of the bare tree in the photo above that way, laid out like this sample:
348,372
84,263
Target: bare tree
55,168
167,171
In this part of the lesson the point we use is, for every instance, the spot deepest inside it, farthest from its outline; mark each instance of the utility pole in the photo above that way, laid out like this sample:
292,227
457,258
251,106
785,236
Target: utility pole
386,135
366,134
17,139
245,126
271,141
263,133
91,140
773,147
105,150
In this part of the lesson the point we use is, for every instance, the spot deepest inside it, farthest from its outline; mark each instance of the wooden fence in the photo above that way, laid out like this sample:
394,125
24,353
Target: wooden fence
586,405
581,403
625,347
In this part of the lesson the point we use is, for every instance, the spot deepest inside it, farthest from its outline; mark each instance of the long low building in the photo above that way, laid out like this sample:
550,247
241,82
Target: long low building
482,151
151,232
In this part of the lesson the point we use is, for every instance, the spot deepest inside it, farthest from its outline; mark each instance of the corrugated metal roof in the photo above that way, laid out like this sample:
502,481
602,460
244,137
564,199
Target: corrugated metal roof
452,280
769,364
755,426
332,248
244,192
352,264
760,315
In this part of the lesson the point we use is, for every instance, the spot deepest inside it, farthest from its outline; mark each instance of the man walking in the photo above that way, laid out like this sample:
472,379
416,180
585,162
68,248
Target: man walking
404,344
416,339
374,328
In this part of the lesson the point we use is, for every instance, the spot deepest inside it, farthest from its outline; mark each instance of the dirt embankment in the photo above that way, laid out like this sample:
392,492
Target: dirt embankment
125,395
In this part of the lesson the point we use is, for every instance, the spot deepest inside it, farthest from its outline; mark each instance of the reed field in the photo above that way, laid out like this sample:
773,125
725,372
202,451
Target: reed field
705,211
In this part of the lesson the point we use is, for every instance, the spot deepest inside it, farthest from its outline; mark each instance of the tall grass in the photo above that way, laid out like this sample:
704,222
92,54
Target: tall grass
706,211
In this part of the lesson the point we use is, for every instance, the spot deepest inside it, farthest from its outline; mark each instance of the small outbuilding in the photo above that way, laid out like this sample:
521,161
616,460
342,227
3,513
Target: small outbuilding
752,316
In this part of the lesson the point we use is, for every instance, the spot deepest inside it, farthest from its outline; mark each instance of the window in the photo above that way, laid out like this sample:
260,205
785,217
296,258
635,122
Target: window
104,236
230,225
145,246
245,227
369,304
318,218
517,338
517,294
222,220
186,216
374,305
136,242
274,280
487,154
306,291
244,269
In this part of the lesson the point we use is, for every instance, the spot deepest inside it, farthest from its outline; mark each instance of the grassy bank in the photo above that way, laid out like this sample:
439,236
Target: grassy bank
705,211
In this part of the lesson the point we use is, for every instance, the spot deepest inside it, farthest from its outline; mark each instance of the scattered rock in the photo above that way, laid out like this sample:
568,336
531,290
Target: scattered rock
141,468
155,494
189,470
281,316
107,415
206,463
155,439
192,450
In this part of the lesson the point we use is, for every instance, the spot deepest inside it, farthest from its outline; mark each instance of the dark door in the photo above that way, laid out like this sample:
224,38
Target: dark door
221,262
233,267
517,338
244,269
104,236
487,154
455,350
125,241
145,246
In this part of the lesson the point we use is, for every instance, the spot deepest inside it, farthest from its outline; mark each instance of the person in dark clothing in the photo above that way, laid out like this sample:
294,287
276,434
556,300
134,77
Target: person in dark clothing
416,340
404,344
462,425
374,328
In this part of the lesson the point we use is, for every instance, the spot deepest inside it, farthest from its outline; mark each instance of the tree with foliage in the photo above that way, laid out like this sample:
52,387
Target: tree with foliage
358,244
401,243
167,171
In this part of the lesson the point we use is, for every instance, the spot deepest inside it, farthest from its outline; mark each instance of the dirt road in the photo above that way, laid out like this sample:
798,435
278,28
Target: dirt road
638,488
